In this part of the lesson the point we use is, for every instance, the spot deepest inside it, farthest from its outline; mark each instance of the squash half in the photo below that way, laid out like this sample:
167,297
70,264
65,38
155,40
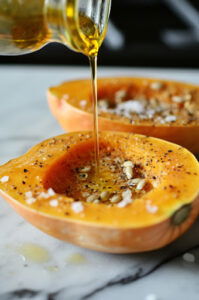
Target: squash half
71,104
34,185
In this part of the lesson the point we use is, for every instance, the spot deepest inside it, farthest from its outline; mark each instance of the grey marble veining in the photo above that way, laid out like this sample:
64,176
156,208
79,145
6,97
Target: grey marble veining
26,120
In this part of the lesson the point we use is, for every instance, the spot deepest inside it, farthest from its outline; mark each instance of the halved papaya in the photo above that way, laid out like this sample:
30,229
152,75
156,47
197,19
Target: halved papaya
158,108
144,195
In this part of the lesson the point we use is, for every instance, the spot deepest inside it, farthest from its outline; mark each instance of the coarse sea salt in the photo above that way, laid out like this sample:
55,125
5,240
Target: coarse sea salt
54,203
151,297
51,192
157,85
28,194
77,207
83,103
152,209
170,118
30,200
131,106
4,179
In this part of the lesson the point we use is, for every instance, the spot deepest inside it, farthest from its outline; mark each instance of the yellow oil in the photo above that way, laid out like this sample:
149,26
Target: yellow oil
33,252
28,29
76,258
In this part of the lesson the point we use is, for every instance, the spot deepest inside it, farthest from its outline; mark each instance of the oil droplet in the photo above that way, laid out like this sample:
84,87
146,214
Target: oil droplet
76,258
34,253
52,268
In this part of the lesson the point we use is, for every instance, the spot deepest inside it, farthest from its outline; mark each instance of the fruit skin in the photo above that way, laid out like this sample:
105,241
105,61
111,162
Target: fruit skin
72,118
149,231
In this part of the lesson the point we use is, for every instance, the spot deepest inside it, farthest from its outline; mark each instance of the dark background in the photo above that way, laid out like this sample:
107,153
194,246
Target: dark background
158,33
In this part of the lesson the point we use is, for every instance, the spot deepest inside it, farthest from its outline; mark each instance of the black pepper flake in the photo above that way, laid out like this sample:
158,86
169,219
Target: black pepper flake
25,170
23,182
170,150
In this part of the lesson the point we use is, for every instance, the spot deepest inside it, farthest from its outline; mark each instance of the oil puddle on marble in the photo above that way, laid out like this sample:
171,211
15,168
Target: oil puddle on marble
76,258
34,253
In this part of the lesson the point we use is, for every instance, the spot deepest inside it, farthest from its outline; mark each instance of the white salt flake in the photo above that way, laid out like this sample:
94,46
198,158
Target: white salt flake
152,209
178,99
151,297
65,96
30,200
189,257
157,85
54,203
28,194
4,179
51,192
170,118
130,106
83,103
77,207
43,195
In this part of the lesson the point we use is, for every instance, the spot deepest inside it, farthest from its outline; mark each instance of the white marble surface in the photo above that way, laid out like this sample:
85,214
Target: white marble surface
24,121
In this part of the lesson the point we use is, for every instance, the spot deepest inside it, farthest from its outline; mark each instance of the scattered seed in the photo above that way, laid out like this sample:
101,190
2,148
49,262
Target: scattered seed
83,176
128,163
96,201
84,169
178,99
4,179
119,95
126,198
91,198
104,195
85,194
128,171
141,184
103,104
157,85
115,199
187,97
134,181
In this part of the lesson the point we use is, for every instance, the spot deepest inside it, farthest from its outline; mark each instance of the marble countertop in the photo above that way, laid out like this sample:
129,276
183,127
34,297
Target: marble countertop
57,270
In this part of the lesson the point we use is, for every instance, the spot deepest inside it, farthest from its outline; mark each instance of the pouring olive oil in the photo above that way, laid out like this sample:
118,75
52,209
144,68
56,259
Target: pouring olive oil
81,25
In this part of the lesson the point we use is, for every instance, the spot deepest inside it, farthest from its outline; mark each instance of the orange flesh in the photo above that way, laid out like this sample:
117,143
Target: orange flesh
173,169
110,177
187,112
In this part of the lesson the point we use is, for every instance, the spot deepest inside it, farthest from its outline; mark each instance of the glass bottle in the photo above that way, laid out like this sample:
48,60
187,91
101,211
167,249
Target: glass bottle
28,25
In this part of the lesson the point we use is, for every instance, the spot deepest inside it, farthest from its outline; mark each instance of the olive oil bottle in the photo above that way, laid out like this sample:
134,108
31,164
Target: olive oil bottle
81,25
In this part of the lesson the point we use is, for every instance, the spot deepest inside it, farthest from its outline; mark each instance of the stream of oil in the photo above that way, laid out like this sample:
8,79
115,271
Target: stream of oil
28,29
93,64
